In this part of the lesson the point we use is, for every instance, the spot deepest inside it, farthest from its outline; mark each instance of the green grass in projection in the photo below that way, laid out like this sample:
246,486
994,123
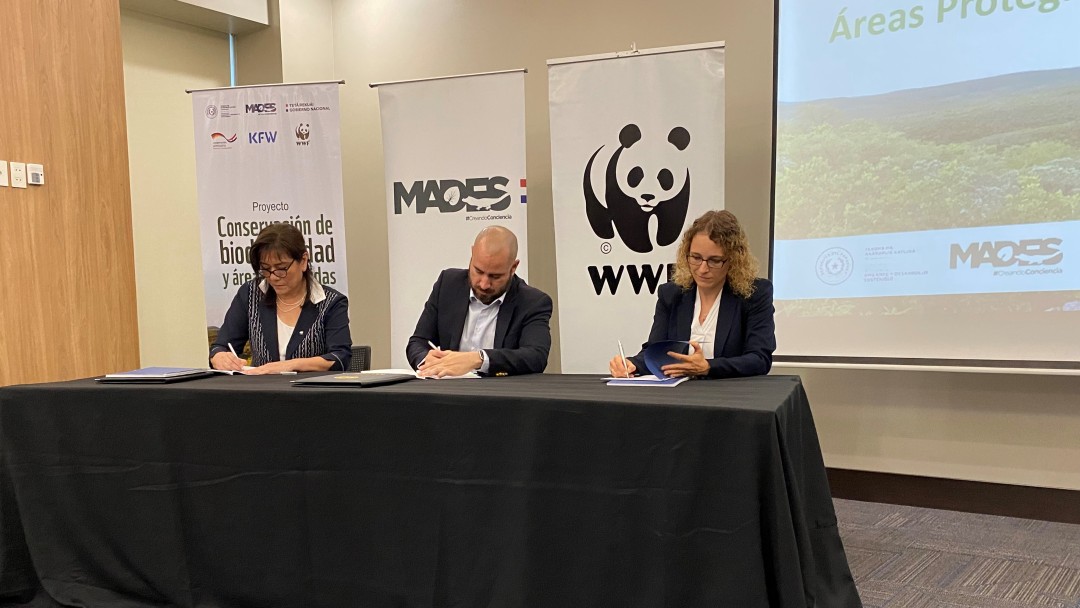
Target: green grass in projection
996,151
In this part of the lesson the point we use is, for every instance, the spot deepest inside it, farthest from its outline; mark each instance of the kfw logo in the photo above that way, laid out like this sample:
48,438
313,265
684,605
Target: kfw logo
451,195
262,137
1001,254
261,108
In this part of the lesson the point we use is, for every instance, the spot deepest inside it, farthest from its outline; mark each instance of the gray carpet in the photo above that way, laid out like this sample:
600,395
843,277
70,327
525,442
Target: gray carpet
907,557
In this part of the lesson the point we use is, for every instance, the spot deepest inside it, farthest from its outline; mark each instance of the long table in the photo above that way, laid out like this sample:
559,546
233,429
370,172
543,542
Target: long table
547,490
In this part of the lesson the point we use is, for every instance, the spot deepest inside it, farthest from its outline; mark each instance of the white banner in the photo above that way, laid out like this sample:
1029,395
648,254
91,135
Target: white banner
454,151
637,153
266,155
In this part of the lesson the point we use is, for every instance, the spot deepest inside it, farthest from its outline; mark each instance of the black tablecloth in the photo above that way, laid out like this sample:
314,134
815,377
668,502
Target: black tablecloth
530,491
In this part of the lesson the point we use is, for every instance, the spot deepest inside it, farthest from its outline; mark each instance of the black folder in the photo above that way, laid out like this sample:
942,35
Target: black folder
353,379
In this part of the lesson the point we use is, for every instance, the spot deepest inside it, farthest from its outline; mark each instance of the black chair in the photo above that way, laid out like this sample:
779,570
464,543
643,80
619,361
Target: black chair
361,359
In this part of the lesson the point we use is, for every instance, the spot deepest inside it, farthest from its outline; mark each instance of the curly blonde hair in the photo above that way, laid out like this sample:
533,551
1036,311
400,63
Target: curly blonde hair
724,230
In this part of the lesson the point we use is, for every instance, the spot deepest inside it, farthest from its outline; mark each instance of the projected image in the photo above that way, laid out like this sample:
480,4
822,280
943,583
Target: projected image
927,158
991,152
997,152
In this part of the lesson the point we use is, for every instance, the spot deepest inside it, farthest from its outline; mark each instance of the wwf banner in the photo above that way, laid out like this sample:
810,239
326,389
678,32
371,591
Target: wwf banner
265,155
637,152
454,150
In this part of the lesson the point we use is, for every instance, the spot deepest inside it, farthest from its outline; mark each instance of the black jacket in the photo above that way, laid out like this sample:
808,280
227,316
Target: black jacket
745,331
322,330
522,330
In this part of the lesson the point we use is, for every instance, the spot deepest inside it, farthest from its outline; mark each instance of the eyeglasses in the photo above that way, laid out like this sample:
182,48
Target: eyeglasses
277,272
714,263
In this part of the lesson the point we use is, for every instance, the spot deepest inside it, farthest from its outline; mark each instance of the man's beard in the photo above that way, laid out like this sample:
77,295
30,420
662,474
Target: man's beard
488,299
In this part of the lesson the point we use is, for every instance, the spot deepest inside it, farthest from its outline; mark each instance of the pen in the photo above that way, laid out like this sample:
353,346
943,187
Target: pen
233,351
433,347
626,366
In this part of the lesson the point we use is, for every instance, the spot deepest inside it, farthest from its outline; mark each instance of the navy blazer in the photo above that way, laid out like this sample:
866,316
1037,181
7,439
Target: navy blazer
522,329
322,330
745,331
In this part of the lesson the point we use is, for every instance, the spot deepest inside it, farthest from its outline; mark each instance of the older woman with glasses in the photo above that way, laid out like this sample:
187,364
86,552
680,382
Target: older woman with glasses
716,302
294,323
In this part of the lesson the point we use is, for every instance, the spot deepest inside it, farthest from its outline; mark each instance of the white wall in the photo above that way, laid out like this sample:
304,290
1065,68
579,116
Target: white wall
1001,428
162,59
307,40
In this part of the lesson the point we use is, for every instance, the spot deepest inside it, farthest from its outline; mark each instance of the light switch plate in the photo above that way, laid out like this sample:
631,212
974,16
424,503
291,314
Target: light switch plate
18,175
3,173
35,174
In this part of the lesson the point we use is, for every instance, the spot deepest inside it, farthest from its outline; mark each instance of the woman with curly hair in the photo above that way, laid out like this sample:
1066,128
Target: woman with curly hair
716,302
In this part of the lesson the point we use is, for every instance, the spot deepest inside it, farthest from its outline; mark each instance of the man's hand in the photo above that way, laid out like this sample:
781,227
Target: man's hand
449,363
694,364
433,357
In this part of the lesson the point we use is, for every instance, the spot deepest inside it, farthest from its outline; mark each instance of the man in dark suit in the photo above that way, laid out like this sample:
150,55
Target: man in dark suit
484,319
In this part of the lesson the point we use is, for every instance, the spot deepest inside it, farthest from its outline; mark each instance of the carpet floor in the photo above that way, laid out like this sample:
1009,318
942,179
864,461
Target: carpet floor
909,557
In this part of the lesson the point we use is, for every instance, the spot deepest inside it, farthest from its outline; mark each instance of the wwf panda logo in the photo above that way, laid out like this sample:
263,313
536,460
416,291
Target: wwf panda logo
303,131
636,190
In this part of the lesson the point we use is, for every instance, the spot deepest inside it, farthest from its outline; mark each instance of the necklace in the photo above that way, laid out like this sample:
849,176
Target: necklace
289,306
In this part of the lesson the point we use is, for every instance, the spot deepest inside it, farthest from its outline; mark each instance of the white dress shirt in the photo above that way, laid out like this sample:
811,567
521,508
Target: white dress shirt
284,334
704,332
479,332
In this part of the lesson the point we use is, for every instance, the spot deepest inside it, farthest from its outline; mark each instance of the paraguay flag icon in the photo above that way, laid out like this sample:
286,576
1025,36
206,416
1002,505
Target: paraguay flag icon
523,197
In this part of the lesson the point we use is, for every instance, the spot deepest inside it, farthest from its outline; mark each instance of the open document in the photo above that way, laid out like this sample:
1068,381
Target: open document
649,380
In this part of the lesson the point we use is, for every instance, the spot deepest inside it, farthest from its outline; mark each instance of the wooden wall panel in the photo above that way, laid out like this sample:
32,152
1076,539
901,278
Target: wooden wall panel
67,281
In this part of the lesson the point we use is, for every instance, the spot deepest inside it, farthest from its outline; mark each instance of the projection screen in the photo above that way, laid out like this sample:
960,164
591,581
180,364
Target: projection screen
927,182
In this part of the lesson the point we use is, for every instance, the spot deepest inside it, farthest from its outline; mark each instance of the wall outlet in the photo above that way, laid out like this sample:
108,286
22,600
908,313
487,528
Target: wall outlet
35,175
18,175
3,173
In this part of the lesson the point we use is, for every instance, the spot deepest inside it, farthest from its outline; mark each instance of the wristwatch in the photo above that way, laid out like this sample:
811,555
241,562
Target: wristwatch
483,358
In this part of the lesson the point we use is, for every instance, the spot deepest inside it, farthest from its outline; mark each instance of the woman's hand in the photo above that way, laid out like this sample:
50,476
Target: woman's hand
227,361
694,364
618,370
274,367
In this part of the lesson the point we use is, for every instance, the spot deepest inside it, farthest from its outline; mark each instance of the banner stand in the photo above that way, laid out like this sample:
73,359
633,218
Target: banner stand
267,154
637,153
454,149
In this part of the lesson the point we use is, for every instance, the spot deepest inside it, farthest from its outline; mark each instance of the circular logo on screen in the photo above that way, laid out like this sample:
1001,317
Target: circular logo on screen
834,265
211,111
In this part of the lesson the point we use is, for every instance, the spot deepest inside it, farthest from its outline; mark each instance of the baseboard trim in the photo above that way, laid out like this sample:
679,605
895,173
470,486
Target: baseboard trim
956,495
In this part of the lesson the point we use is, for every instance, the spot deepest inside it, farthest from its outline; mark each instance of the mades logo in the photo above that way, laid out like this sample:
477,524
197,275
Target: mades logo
453,195
261,109
639,185
1003,254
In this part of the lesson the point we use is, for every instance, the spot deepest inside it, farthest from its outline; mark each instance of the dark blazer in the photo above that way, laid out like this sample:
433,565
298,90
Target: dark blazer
745,332
322,330
522,330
